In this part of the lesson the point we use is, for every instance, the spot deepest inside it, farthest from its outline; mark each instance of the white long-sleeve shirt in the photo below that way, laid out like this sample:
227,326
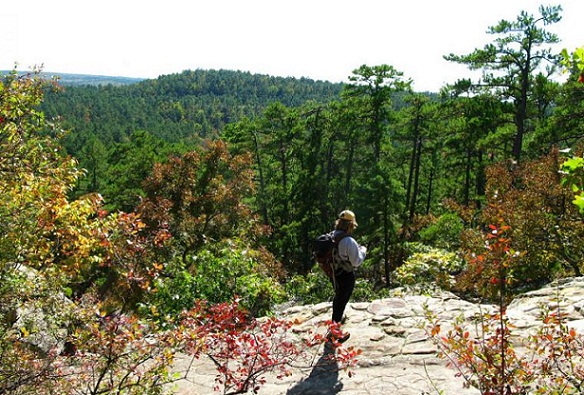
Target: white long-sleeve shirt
350,250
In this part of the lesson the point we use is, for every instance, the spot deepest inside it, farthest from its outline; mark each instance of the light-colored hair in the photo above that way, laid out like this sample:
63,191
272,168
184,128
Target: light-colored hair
344,225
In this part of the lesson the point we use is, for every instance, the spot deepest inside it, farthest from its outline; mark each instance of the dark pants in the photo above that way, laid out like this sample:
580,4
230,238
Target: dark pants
344,285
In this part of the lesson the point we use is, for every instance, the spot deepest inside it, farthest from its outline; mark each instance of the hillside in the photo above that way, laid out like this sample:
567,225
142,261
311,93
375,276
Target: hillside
87,79
68,79
177,107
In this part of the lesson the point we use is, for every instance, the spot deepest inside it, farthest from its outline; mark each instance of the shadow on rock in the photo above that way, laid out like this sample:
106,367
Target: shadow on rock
323,379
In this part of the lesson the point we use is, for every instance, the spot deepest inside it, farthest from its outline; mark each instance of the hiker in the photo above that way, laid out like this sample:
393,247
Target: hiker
351,255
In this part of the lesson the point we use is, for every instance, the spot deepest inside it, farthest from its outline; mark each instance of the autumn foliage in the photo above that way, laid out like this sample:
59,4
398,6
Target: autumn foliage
198,198
244,349
76,280
539,217
484,353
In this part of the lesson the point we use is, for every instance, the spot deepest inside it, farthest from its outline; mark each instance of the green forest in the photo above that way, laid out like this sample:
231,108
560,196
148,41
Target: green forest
131,209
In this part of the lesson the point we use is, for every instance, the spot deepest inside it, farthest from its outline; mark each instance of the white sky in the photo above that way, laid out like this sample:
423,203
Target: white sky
317,39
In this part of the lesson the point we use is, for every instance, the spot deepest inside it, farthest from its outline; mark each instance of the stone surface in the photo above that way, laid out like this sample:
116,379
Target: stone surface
398,358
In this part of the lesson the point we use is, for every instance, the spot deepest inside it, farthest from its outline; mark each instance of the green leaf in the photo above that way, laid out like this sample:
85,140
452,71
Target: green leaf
579,202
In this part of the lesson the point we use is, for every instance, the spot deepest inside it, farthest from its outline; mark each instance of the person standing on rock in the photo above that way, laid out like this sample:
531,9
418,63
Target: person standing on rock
347,256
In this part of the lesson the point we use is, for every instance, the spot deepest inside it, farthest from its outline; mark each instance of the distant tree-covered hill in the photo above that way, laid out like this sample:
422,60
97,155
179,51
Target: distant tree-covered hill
68,79
87,79
183,107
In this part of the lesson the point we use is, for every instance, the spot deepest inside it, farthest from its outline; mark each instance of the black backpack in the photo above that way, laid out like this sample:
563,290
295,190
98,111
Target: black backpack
324,248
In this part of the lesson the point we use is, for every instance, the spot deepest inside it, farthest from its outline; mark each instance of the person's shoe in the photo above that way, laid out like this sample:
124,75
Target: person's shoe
344,337
340,337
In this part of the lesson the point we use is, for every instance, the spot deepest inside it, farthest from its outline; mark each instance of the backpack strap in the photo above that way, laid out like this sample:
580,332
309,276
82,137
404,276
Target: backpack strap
339,237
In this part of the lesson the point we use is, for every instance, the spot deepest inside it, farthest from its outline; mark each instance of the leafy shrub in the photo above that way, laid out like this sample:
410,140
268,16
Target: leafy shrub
243,349
315,287
411,248
115,354
217,276
434,267
444,232
365,291
545,226
259,293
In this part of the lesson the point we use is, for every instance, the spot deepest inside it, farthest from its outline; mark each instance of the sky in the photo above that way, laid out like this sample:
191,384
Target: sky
316,39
